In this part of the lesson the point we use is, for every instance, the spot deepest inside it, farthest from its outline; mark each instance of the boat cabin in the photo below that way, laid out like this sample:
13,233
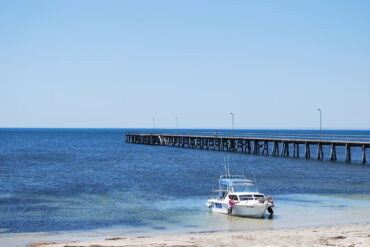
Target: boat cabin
237,184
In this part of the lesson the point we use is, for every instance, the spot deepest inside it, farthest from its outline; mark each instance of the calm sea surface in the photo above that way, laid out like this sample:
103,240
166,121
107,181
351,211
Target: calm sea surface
87,179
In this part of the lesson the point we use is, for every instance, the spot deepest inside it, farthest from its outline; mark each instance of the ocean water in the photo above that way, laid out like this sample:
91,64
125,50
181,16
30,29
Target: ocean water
89,179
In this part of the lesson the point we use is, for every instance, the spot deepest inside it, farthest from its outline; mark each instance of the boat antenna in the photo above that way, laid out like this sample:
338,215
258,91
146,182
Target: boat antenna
255,181
227,166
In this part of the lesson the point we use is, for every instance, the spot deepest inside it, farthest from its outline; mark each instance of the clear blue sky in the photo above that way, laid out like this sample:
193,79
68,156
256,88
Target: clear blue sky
121,63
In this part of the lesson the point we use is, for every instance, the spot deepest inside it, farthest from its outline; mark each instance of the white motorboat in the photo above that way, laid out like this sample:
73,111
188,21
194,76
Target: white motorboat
248,201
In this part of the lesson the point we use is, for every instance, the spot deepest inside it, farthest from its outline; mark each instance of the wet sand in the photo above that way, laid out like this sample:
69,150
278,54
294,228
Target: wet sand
346,235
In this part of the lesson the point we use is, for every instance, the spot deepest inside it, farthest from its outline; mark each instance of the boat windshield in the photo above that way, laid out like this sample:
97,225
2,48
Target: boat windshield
244,187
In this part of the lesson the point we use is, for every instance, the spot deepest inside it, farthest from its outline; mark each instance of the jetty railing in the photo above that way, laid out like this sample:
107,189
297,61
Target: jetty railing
276,147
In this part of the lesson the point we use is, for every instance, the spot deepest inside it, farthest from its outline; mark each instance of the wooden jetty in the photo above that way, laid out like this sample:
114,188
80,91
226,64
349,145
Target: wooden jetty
249,145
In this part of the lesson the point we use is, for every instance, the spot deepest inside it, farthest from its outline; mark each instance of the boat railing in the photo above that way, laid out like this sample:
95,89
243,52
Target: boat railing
220,191
233,176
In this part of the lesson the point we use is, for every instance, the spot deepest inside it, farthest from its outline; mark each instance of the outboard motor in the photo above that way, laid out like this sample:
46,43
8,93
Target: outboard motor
269,209
271,203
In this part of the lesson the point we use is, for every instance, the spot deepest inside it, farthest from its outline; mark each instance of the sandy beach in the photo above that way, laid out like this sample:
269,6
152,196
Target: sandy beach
346,235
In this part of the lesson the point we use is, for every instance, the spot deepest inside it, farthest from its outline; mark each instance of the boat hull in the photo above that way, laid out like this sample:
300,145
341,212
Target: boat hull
256,210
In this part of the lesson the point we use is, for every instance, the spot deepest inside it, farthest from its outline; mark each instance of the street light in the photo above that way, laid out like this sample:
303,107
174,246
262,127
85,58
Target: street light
177,125
232,119
320,121
153,124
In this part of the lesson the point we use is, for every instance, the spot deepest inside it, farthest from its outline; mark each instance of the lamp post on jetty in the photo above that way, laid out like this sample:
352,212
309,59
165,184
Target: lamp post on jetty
232,120
320,122
153,124
177,125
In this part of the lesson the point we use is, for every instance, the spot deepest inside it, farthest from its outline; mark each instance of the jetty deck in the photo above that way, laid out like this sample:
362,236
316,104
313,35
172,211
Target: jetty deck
276,147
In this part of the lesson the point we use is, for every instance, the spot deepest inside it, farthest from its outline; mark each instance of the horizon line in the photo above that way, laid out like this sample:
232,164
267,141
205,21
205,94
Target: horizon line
227,129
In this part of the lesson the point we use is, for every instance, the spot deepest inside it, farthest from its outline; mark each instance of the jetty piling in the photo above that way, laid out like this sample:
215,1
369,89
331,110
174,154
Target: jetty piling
280,147
363,154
